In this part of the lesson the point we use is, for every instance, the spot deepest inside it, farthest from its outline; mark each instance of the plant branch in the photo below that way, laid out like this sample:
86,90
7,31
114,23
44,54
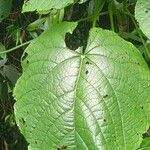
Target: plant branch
15,48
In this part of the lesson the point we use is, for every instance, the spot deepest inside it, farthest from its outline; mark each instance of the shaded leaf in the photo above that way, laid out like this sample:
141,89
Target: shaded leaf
5,7
142,14
11,73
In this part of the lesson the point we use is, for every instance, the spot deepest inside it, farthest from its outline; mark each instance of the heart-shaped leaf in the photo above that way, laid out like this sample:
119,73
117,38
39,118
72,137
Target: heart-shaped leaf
89,99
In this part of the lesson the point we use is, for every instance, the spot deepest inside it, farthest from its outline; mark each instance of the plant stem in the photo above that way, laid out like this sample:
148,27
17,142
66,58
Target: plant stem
111,16
93,16
15,48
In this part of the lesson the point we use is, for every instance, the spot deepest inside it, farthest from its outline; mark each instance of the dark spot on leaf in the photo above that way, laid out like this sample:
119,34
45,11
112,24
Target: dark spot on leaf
146,11
27,61
24,56
137,63
87,72
123,57
23,121
87,63
137,133
104,120
105,96
35,142
142,107
62,148
33,127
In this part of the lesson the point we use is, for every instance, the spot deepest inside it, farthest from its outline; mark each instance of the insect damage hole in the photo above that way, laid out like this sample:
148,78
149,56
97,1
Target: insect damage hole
86,72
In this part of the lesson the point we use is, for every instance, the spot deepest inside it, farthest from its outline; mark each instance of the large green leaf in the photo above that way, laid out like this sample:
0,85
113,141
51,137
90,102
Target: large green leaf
5,7
86,100
142,14
44,5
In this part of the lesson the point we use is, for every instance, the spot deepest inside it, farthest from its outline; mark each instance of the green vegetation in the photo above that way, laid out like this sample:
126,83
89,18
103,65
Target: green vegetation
74,74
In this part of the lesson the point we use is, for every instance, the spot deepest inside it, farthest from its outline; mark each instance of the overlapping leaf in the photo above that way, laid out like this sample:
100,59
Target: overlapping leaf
97,99
142,14
44,5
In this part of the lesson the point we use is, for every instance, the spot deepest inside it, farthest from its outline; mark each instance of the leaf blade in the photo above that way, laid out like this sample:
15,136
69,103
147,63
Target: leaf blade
142,14
83,100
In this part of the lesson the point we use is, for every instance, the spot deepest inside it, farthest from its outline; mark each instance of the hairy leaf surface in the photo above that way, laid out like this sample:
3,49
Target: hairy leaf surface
142,14
86,100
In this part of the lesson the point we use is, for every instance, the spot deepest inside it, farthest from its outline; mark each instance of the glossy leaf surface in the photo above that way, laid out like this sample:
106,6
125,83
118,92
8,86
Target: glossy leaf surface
89,100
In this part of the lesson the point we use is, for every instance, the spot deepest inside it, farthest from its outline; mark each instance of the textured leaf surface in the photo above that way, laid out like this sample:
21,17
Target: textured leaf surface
86,101
5,7
145,144
43,5
142,14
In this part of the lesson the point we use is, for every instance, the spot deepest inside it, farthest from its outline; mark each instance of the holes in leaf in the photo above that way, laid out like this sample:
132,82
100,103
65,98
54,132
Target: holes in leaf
22,121
86,72
147,10
87,63
142,107
105,96
137,63
24,56
62,148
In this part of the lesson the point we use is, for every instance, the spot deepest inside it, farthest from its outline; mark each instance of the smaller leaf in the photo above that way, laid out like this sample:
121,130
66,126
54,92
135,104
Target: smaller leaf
142,14
45,5
5,7
11,73
3,58
36,24
95,6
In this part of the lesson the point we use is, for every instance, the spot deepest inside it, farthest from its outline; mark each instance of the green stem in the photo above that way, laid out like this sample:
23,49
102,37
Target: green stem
94,23
111,16
93,16
139,32
17,47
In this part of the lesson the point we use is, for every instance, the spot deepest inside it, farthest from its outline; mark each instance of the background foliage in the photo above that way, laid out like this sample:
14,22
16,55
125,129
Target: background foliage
17,28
